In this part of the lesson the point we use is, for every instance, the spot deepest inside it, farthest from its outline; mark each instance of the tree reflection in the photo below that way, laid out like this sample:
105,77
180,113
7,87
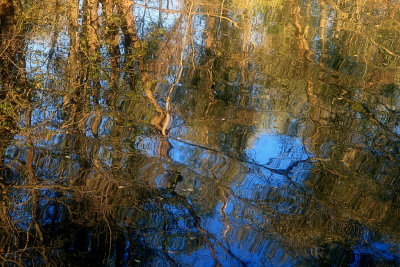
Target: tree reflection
199,132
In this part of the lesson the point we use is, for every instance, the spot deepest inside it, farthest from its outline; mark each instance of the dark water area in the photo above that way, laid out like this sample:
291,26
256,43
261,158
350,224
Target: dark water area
200,133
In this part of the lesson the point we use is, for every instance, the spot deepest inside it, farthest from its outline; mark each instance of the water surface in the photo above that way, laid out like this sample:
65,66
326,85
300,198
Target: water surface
200,133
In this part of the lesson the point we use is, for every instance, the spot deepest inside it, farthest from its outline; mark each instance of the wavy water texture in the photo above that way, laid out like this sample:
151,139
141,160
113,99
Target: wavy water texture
199,133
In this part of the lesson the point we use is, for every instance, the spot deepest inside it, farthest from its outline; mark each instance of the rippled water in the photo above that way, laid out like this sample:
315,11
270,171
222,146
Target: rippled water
200,133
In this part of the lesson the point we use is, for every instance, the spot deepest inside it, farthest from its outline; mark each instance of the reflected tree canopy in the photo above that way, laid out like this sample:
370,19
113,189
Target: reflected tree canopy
190,132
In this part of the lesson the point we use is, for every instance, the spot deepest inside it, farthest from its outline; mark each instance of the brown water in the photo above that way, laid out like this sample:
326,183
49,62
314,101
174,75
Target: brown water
200,133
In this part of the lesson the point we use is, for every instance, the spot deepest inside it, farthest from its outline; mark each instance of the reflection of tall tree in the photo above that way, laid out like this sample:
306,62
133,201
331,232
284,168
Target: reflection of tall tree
13,85
7,54
12,64
13,90
73,70
91,28
112,41
128,28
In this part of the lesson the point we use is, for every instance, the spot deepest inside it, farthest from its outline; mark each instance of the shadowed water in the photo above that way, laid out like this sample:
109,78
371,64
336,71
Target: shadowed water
200,133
